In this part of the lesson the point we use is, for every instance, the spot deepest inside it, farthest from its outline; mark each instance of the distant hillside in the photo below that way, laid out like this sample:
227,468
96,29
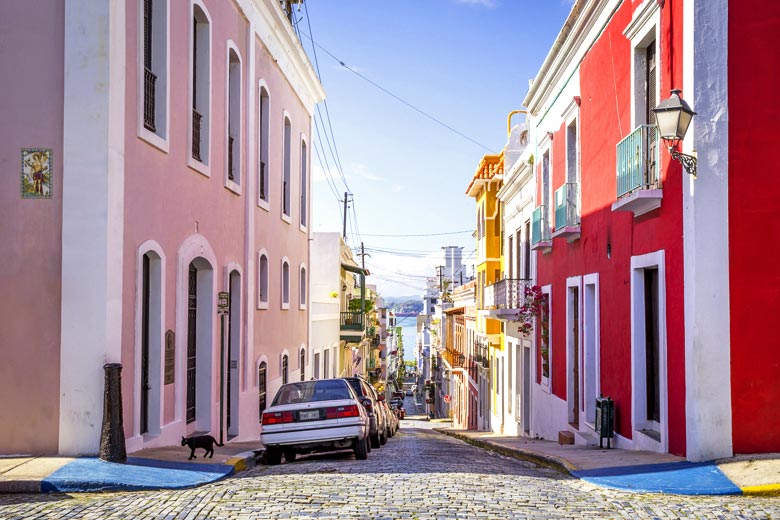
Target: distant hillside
407,307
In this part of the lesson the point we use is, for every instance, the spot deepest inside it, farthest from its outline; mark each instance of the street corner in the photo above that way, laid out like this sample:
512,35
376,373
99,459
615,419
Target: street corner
92,474
245,460
678,478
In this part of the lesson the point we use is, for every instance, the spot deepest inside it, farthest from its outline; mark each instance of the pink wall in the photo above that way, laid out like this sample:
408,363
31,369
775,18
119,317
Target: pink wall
164,199
32,109
276,329
600,130
754,217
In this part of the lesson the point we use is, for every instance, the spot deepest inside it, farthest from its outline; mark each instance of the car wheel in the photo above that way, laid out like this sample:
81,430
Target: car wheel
289,455
361,449
375,441
273,456
390,432
383,438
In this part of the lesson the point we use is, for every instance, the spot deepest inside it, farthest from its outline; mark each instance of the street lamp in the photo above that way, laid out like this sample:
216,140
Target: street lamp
672,116
462,359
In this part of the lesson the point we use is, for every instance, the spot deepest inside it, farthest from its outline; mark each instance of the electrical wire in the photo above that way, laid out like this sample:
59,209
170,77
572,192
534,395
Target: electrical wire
327,174
408,104
421,234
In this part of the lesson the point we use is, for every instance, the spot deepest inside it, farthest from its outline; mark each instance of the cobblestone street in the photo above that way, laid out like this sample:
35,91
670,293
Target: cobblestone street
419,474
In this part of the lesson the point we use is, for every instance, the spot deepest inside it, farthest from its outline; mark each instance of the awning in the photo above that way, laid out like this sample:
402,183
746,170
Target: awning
354,269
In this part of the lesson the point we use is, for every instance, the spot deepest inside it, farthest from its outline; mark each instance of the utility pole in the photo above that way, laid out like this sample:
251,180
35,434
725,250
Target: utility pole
362,254
346,194
441,274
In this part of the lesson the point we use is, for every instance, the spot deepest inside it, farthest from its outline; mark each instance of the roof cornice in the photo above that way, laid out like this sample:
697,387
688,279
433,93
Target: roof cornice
274,30
568,48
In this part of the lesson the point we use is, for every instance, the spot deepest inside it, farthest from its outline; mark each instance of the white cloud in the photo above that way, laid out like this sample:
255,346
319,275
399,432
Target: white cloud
361,170
397,188
490,4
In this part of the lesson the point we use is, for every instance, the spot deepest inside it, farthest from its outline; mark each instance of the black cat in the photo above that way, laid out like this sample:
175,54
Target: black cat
206,442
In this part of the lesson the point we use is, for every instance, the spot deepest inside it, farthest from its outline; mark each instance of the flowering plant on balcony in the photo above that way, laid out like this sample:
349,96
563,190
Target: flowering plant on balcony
531,308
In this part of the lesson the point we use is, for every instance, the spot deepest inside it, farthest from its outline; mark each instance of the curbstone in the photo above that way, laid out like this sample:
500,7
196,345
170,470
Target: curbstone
20,486
546,461
766,490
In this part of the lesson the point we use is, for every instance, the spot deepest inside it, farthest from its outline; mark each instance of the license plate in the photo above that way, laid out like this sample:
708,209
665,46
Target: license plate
308,415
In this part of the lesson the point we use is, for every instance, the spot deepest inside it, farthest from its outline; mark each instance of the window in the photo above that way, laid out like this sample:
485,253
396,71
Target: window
286,169
200,94
545,192
262,376
544,338
302,364
262,280
285,369
527,251
302,286
285,284
192,334
325,364
316,366
304,183
153,73
233,118
263,126
510,250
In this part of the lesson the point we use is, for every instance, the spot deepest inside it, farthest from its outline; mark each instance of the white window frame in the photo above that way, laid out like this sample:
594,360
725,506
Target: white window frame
638,372
286,169
643,28
263,278
303,182
238,162
159,139
303,289
546,382
264,144
203,166
573,282
285,293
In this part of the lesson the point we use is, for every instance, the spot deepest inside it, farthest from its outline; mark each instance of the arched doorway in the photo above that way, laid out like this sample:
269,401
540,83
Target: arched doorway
200,310
234,353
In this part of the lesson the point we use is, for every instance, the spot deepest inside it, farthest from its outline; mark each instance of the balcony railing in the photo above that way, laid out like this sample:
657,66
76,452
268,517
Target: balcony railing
352,320
230,158
637,161
488,297
197,120
540,227
510,293
454,358
149,93
567,207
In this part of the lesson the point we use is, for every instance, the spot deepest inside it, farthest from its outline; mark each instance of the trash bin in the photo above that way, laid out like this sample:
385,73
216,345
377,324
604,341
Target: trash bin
605,419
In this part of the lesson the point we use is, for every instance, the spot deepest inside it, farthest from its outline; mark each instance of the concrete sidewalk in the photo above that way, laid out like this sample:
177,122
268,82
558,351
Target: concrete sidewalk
639,471
154,468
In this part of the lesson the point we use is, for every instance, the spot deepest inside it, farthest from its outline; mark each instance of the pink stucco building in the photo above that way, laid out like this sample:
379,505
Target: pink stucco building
173,163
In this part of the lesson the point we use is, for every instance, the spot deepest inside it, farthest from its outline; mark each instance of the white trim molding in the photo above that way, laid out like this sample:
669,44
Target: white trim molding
263,133
262,304
639,422
591,345
203,166
234,185
160,139
285,305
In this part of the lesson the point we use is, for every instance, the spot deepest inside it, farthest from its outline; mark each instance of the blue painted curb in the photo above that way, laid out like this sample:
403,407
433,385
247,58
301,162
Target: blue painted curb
92,474
680,478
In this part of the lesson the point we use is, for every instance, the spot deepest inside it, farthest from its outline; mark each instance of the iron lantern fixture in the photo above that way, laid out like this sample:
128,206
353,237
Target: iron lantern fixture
673,116
462,359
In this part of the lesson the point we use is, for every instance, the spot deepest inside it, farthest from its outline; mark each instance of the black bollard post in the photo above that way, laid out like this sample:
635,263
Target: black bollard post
112,437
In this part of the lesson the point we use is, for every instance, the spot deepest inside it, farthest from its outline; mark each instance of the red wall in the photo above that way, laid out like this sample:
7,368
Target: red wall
605,118
754,219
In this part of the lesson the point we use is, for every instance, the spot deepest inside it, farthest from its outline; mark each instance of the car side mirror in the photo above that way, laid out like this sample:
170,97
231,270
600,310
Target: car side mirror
366,402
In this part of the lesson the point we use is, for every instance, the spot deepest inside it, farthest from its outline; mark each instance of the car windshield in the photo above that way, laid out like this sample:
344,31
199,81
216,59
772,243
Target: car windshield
307,391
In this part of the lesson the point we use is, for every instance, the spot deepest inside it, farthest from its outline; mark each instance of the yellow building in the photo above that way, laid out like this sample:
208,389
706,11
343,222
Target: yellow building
484,187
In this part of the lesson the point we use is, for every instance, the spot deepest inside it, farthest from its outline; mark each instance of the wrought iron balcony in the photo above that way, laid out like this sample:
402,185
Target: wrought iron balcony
352,320
150,79
638,180
567,211
197,120
488,297
510,293
540,229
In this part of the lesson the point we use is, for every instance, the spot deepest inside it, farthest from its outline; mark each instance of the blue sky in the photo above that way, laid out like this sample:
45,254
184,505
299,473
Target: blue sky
465,62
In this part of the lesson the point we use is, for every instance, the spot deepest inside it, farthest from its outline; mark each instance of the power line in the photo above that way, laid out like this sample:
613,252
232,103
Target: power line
380,87
326,172
422,234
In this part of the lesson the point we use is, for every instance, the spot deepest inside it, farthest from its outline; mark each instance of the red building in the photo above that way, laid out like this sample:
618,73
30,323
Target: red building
656,293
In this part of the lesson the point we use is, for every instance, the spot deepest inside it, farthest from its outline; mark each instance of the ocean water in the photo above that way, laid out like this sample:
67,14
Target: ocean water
409,334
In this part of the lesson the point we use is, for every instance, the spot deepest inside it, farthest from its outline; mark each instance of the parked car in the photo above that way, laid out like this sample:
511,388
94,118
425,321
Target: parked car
398,411
391,421
318,415
409,392
363,389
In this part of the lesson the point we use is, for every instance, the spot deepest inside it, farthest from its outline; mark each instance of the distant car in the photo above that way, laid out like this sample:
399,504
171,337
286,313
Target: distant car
311,416
391,420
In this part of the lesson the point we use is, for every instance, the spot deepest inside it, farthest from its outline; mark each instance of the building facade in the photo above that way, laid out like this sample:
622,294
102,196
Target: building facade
168,162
